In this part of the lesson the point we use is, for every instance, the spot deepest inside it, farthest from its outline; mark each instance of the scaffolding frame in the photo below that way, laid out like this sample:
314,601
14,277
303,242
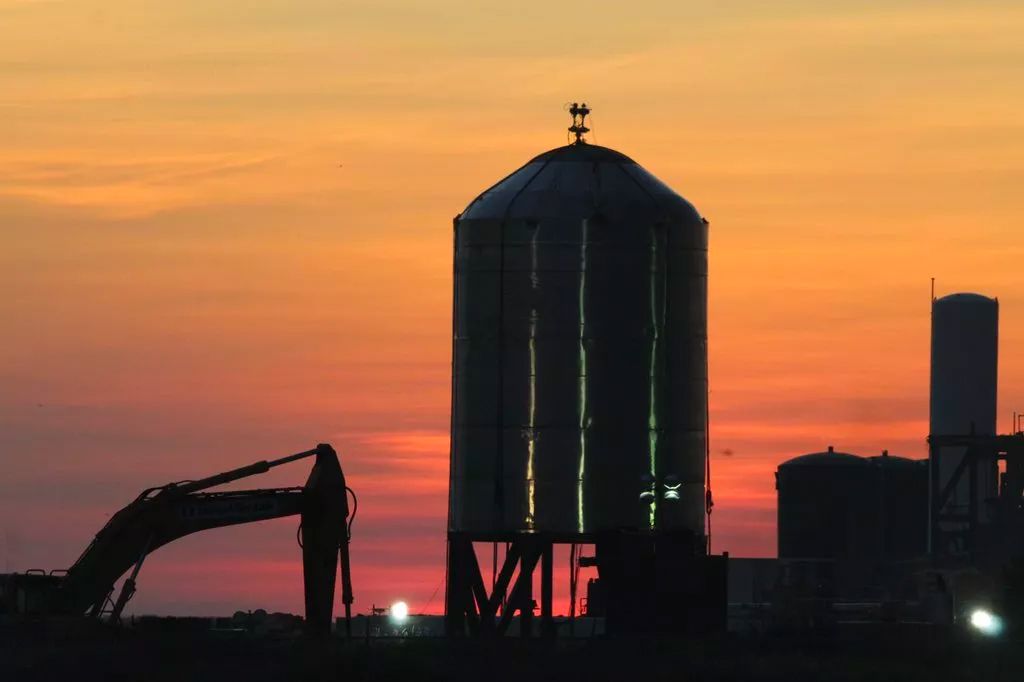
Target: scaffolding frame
963,530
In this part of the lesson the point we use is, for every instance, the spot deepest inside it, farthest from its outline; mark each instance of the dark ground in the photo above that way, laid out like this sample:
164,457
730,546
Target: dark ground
876,655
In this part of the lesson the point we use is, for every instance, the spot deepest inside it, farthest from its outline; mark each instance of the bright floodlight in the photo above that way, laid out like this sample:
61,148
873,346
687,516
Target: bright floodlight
399,611
986,622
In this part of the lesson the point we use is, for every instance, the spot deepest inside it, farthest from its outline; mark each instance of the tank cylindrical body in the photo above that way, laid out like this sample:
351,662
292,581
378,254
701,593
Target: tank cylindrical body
834,505
580,351
965,352
902,495
827,507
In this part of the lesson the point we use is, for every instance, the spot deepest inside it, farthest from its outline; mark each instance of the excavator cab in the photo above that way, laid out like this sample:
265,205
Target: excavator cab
28,594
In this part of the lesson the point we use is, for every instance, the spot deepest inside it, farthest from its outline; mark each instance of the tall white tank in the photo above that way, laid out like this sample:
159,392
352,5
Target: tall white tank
965,356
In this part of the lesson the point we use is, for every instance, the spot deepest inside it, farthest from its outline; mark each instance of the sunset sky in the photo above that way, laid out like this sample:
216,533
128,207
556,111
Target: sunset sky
226,236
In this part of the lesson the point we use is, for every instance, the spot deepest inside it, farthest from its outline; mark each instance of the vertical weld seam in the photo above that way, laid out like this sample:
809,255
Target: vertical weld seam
652,414
499,469
581,471
531,483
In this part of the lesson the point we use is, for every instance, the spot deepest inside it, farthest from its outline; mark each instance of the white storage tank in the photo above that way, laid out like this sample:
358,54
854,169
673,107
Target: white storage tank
964,370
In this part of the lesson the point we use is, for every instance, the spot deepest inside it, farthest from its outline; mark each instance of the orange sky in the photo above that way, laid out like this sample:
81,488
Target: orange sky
227,229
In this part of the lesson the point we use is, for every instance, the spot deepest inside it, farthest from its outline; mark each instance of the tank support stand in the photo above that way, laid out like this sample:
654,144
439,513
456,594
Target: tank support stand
470,609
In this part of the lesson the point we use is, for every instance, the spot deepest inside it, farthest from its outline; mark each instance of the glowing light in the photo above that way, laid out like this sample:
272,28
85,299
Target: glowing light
986,622
399,612
647,486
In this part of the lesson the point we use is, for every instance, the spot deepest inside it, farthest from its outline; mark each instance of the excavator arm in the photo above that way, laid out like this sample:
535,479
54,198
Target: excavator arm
149,526
161,515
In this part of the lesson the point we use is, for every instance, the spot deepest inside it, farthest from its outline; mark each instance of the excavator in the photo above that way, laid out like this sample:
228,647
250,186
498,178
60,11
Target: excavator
163,514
